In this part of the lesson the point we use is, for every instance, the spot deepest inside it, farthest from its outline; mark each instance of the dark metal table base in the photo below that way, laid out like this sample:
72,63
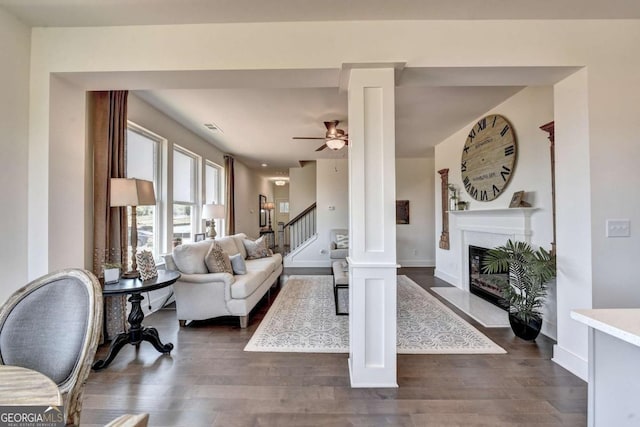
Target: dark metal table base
137,333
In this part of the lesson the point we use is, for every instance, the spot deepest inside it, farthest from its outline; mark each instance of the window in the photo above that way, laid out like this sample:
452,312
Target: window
142,161
213,190
284,207
185,190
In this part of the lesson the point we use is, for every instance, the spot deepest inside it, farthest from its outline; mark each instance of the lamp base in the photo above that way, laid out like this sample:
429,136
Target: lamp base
131,274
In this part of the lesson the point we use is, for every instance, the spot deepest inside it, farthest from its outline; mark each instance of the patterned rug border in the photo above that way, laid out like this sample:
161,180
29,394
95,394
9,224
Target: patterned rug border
252,346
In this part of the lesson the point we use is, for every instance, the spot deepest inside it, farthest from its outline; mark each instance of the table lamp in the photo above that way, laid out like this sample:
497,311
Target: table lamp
212,212
268,206
132,192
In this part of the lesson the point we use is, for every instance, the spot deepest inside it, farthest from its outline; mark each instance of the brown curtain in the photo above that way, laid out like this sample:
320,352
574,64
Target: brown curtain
229,194
108,122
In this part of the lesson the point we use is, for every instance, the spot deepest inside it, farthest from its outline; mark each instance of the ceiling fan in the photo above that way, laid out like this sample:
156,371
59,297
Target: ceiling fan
334,138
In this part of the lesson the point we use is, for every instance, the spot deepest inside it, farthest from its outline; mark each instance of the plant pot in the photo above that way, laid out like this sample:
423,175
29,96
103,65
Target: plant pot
526,331
111,275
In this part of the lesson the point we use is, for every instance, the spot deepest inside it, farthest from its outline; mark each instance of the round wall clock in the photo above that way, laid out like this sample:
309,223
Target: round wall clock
488,158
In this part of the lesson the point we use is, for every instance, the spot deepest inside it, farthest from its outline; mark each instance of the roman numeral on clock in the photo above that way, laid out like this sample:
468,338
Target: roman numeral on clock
472,134
463,166
505,173
496,191
473,191
494,121
483,195
504,130
482,124
467,183
508,151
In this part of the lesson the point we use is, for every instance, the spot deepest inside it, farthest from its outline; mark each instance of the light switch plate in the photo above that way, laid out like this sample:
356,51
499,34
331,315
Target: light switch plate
618,228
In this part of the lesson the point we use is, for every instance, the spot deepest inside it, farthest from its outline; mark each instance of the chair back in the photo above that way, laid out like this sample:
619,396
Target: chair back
52,325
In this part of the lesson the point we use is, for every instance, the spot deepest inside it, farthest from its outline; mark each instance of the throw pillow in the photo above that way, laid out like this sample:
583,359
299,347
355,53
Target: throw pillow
256,248
342,241
217,260
238,265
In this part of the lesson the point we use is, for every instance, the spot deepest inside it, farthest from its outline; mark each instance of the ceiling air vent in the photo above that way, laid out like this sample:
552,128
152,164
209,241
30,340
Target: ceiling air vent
213,127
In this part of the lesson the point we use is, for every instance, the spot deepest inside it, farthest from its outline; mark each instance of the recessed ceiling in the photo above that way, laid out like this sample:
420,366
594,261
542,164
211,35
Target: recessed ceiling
52,13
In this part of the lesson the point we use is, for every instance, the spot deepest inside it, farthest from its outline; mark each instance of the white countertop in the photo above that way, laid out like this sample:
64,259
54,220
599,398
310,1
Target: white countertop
622,323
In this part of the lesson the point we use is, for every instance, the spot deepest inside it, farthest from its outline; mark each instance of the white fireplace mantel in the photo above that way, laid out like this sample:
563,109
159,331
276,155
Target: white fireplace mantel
488,228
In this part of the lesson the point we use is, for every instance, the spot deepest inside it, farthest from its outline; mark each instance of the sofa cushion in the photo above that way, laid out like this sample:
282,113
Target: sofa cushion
268,264
189,258
228,244
256,248
246,284
217,260
238,264
339,253
239,238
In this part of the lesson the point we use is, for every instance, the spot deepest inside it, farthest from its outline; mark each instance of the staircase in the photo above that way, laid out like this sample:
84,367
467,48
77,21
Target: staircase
300,229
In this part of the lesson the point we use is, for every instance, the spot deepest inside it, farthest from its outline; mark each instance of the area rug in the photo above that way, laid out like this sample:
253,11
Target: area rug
303,320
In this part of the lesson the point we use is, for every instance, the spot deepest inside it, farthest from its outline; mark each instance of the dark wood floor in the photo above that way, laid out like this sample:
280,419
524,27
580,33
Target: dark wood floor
208,380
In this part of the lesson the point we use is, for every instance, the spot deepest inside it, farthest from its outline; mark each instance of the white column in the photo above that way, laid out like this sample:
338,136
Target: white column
372,228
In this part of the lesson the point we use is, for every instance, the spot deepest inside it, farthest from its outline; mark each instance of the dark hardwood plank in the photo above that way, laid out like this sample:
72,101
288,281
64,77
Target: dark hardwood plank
209,380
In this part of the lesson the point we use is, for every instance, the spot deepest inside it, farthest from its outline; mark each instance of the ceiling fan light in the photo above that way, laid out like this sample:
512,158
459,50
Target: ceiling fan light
280,183
335,144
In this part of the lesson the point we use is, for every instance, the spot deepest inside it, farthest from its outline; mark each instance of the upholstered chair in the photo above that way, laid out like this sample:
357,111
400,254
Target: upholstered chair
52,325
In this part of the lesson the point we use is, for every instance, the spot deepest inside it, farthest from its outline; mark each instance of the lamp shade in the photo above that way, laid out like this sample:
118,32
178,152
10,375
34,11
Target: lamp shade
132,192
213,211
335,144
269,205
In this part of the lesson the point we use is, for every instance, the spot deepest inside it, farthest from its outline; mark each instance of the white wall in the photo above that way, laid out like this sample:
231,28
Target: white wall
527,111
248,186
604,47
15,40
302,188
332,191
414,241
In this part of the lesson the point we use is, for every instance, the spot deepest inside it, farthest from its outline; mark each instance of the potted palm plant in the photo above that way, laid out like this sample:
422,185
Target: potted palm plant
526,288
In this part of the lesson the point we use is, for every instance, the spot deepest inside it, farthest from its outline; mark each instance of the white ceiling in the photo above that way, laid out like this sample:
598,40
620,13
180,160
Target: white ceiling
146,12
259,111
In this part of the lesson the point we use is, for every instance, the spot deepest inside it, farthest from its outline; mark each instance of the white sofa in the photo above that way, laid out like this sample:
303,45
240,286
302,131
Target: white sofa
202,295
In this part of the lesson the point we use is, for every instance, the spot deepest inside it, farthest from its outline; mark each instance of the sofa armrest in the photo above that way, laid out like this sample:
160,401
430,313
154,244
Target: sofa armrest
225,278
332,245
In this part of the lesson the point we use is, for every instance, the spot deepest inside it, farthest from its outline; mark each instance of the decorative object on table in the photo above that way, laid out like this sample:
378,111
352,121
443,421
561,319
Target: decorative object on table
211,212
269,206
198,237
402,212
526,286
132,192
462,205
453,197
146,265
517,200
111,272
444,189
262,216
488,158
177,241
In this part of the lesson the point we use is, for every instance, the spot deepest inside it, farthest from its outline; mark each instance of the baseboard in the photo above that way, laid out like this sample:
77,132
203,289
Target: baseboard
307,263
571,362
446,277
417,262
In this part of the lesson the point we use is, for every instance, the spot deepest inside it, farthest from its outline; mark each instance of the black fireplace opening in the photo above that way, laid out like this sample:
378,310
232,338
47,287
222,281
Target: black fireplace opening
482,284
